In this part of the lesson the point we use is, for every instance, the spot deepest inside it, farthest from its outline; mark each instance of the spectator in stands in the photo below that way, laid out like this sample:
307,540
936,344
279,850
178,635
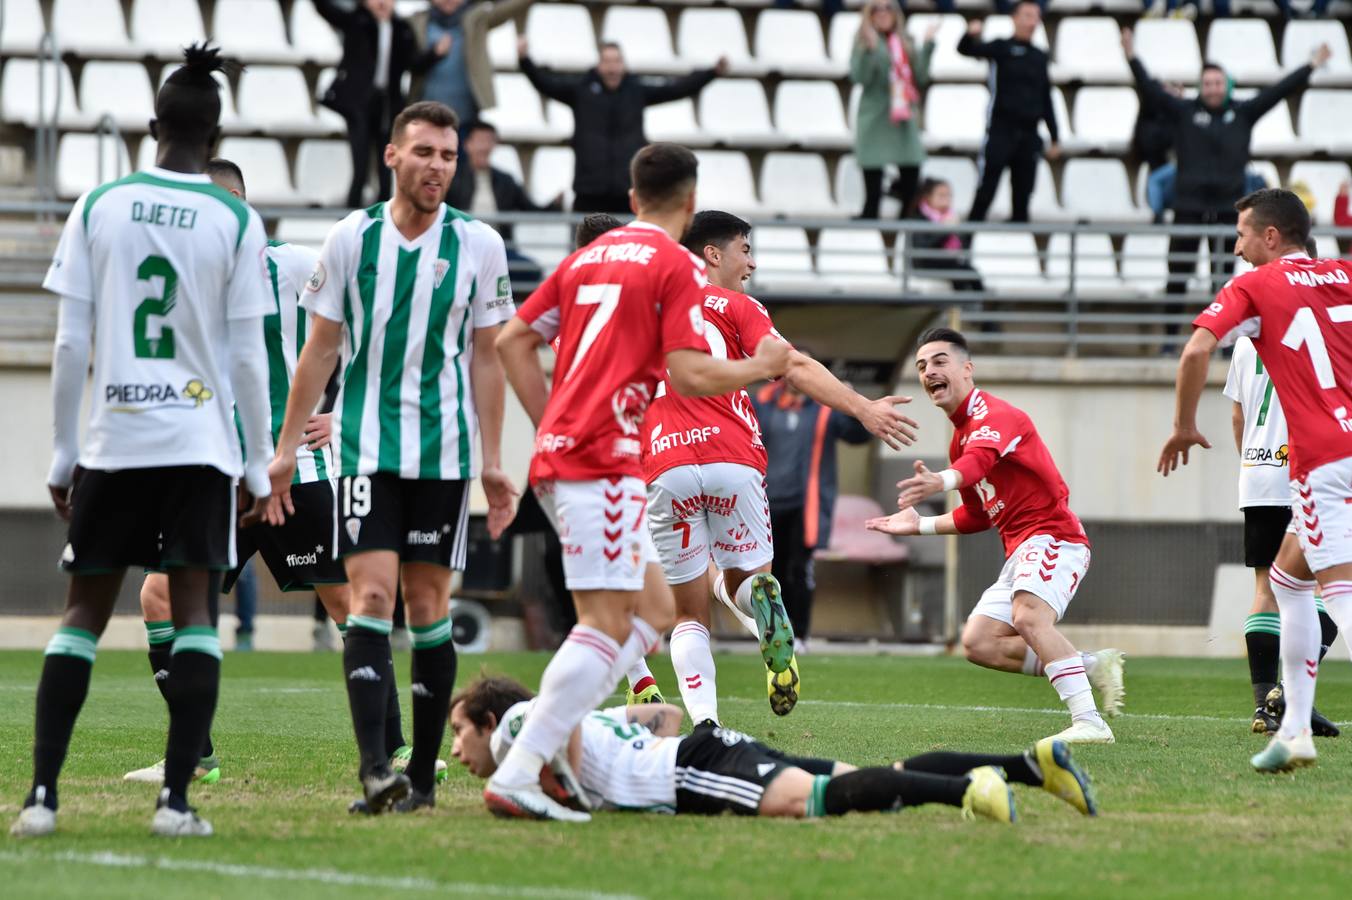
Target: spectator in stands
462,78
1182,9
378,48
800,482
1316,10
886,65
1211,142
1341,217
1006,7
608,105
1152,140
941,254
1021,97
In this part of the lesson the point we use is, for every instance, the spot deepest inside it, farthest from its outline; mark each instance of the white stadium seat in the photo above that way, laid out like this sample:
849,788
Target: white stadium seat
118,89
263,163
1326,121
733,111
306,232
252,30
705,35
1168,49
1326,246
854,259
561,35
946,64
789,41
323,172
1272,134
551,174
955,116
1104,118
796,185
1065,126
330,120
91,28
725,182
1323,180
276,100
506,158
518,115
548,243
783,258
1042,204
1299,40
1145,262
314,39
1245,48
1267,170
840,40
1098,190
1089,49
810,113
559,118
1095,265
643,35
960,173
164,27
23,27
19,94
674,121
77,163
1008,261
502,46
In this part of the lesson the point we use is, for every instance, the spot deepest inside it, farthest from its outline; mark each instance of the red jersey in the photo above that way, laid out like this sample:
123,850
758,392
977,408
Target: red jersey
1010,479
617,306
683,431
1299,313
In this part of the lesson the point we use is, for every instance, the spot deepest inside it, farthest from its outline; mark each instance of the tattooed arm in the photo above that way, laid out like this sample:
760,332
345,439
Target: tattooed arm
662,719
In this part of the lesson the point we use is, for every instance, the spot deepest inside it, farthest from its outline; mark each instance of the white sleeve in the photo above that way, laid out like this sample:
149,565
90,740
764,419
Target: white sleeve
492,301
70,367
249,381
323,294
298,263
71,273
249,295
1233,389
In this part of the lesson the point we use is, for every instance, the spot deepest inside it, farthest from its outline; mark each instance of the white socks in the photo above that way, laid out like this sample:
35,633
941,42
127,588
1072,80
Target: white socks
721,592
1031,664
642,640
694,664
1072,686
1300,648
639,671
743,601
1337,597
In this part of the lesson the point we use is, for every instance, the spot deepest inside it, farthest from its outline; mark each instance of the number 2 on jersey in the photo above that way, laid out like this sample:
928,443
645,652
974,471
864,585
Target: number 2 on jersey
146,347
605,297
1304,332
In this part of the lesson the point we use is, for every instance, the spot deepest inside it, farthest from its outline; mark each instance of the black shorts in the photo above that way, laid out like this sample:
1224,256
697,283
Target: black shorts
423,520
300,552
168,517
1264,531
718,769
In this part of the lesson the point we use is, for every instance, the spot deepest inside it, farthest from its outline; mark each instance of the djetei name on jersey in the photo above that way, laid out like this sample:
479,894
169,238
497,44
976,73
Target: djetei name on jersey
163,214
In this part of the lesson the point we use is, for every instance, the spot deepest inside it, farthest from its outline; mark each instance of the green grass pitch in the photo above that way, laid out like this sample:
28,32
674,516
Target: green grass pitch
1182,814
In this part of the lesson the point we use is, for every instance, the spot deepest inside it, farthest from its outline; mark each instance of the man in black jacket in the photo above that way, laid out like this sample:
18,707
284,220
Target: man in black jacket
608,105
1022,97
378,48
1211,143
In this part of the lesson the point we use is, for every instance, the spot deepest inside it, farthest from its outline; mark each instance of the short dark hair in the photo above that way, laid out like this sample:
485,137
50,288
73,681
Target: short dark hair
1209,65
429,111
219,166
663,175
947,336
610,45
713,226
1280,209
1311,248
592,227
489,694
1023,2
480,125
188,105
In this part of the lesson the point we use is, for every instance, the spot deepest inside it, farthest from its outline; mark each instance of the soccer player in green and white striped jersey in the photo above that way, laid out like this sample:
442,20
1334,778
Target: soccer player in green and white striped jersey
414,293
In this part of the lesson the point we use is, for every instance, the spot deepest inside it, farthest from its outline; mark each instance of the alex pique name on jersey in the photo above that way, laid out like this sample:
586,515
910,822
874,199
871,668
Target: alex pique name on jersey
163,214
631,252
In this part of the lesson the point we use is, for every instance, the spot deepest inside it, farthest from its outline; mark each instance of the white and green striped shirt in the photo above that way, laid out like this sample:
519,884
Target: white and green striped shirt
289,268
405,404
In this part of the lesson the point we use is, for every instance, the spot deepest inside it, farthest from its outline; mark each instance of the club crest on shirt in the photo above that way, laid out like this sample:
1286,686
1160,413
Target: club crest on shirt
439,269
317,278
353,529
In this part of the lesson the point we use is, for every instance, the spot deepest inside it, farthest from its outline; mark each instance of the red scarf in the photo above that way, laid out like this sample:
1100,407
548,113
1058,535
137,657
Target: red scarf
904,92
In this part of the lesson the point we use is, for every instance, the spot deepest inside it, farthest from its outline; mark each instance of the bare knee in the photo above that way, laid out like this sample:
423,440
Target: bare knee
371,598
656,603
978,645
1032,615
155,598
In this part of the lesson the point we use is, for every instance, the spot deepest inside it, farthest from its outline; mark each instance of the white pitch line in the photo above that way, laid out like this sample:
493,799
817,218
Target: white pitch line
318,876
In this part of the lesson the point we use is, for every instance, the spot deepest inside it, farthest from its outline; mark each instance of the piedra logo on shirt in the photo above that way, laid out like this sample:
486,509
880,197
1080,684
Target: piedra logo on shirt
140,398
1266,456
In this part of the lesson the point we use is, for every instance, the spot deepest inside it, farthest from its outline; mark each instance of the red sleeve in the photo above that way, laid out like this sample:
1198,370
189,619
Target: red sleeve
970,517
975,462
754,325
681,302
1341,218
1231,308
540,312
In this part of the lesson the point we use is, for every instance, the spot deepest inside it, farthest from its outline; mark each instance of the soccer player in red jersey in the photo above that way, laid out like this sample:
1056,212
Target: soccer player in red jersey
1007,479
625,307
704,464
1298,311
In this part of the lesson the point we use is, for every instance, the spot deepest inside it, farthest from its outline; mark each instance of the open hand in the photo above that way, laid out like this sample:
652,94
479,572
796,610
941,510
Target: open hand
1178,445
1321,55
280,472
915,489
883,421
904,523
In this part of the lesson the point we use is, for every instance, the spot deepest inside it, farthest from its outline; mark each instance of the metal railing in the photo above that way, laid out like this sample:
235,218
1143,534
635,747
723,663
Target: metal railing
46,130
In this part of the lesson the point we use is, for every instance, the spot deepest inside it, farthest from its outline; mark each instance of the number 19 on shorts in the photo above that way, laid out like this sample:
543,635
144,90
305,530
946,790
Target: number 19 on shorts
356,496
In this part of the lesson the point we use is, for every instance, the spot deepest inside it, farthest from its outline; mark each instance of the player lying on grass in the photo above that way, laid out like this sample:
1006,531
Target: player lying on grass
633,758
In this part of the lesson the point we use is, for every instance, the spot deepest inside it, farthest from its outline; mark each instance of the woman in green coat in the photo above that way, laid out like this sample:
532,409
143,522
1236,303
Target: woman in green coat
885,64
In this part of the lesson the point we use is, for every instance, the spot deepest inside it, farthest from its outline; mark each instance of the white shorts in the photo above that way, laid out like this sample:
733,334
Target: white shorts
1321,512
1042,566
716,509
602,527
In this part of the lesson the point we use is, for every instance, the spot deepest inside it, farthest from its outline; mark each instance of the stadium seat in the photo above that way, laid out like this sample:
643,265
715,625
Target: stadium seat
854,259
323,172
252,30
674,121
1089,49
506,158
960,173
783,259
852,542
1272,134
840,40
331,121
1095,264
1008,261
955,116
307,232
502,46
1098,190
164,27
1168,49
23,27
1268,171
559,118
733,111
1042,205
266,174
849,184
1145,262
725,182
1299,40
314,39
77,163
518,115
276,100
551,174
1323,180
1245,48
809,113
704,35
118,89
19,95
643,34
560,35
796,184
1104,118
91,28
789,41
1326,121
548,243
946,64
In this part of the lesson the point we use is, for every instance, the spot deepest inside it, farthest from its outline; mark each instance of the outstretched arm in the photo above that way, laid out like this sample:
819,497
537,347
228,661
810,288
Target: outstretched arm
1257,106
662,719
697,374
880,416
677,88
1192,372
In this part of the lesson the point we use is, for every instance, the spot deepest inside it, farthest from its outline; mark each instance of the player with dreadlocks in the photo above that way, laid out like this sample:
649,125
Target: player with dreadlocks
167,269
